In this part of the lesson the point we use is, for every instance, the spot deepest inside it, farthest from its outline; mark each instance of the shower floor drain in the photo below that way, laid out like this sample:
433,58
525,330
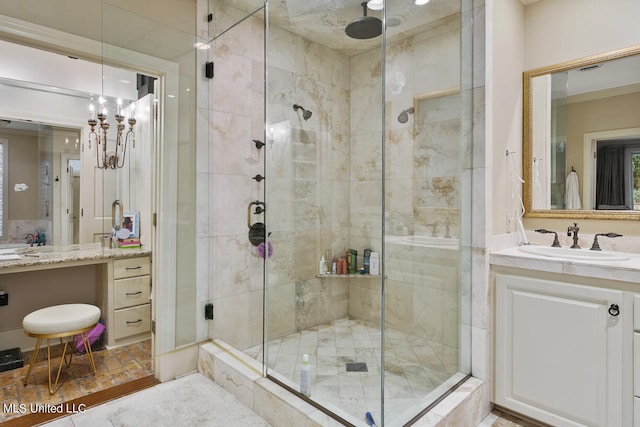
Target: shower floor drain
357,367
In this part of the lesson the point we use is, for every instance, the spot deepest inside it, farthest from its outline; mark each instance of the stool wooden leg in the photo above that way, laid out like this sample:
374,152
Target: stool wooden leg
32,361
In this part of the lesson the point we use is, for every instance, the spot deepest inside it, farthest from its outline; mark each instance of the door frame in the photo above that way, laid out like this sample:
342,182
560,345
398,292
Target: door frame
163,239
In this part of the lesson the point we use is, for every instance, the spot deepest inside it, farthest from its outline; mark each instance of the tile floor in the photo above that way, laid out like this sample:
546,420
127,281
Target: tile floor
414,367
114,367
497,418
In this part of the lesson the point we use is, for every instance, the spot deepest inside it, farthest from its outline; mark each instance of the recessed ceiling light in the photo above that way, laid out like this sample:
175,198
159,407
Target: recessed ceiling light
124,81
421,2
375,4
201,45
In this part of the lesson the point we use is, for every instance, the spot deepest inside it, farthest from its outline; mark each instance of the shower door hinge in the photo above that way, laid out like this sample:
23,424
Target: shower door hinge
210,17
208,69
154,221
208,311
153,327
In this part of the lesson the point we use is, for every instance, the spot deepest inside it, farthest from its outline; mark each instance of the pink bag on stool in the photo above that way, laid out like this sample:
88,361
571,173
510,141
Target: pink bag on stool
93,336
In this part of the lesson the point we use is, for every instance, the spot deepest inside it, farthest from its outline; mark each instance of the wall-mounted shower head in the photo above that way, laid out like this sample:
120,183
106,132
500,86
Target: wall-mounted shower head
404,116
306,114
364,27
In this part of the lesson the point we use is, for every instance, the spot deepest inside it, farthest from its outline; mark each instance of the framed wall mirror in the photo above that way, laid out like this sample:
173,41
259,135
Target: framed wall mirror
581,138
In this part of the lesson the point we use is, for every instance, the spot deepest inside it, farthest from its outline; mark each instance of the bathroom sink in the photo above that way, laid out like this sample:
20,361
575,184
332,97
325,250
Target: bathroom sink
568,253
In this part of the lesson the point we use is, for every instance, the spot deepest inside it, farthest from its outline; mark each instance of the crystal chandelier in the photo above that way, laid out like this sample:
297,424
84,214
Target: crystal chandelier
111,159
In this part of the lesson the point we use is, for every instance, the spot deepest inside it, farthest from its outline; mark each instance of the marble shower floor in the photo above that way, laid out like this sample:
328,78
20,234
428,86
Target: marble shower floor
414,366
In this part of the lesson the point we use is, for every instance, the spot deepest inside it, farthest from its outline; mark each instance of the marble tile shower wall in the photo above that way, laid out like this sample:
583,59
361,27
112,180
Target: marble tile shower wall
307,170
419,197
308,180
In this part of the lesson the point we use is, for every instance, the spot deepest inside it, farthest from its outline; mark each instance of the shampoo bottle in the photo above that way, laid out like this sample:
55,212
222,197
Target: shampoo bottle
305,376
366,263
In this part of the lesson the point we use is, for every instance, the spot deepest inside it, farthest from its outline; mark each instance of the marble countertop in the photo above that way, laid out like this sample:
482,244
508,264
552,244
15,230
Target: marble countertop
33,258
627,270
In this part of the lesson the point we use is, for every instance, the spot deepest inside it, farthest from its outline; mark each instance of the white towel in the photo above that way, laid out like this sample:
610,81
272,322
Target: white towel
572,193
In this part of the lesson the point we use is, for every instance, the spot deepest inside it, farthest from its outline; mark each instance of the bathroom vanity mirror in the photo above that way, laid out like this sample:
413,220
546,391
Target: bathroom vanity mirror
581,138
51,181
40,168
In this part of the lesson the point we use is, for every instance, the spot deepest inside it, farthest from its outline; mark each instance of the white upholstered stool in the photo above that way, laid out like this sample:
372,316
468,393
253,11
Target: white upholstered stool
64,322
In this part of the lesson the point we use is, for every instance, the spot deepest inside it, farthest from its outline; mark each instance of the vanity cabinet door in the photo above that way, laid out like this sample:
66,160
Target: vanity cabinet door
559,351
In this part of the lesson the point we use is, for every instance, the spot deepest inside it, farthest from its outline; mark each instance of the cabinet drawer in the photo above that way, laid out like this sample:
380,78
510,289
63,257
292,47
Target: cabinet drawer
132,321
131,267
131,291
636,312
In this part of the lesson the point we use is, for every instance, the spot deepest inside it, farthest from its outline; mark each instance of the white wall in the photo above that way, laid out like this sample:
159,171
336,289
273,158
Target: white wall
561,30
504,106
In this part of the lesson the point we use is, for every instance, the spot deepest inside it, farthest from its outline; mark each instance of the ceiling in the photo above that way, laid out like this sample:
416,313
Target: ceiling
324,21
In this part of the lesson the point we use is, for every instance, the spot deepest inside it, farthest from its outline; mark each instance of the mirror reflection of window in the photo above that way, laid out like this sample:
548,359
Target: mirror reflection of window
618,173
635,178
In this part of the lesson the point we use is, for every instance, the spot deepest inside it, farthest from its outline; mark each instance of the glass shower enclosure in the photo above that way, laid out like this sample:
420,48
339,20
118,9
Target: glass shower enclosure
359,116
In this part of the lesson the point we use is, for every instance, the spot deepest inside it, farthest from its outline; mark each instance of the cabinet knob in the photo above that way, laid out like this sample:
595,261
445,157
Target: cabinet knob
614,310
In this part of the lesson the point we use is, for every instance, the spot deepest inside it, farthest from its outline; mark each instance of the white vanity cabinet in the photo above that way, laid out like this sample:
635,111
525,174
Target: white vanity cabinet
560,352
128,316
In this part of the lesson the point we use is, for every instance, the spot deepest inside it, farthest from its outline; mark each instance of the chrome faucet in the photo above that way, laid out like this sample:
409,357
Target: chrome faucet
573,232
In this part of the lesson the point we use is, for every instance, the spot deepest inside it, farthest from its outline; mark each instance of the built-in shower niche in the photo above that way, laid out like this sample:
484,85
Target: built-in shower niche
438,164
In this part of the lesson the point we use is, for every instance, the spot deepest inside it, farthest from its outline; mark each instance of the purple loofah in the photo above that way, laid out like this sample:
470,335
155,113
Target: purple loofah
261,250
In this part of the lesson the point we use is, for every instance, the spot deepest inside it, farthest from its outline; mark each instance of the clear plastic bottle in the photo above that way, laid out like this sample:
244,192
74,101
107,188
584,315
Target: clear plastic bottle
374,264
305,376
322,266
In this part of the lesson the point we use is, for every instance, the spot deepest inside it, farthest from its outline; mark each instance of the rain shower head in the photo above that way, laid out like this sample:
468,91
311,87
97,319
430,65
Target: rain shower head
364,27
306,114
404,116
